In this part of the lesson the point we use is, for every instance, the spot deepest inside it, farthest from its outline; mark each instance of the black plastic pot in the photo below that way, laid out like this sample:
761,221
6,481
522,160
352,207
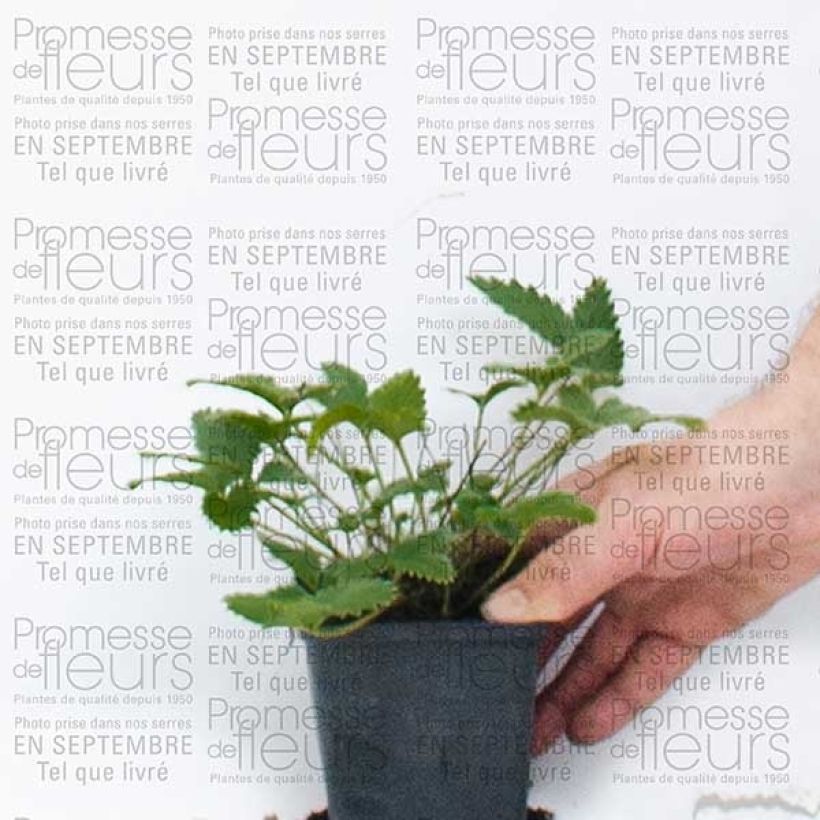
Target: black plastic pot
426,720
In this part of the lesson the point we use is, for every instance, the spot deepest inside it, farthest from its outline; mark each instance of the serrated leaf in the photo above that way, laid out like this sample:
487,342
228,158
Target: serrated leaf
579,402
537,311
423,556
232,510
281,471
494,390
233,436
346,386
581,344
397,406
575,408
528,511
359,475
483,482
342,570
441,468
540,376
496,520
533,411
338,414
305,562
348,522
294,607
474,507
694,423
294,501
427,481
356,597
282,398
595,310
209,477
591,380
614,412
285,606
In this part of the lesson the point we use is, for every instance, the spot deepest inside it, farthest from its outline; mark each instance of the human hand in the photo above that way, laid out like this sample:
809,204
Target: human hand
694,539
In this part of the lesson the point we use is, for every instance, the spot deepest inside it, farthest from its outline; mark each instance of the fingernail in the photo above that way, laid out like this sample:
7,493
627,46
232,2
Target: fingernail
507,605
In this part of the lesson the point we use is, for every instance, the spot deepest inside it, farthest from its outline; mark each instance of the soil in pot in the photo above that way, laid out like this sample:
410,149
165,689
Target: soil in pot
426,719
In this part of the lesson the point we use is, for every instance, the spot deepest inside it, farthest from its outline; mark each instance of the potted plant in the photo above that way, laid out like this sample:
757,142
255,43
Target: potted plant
426,708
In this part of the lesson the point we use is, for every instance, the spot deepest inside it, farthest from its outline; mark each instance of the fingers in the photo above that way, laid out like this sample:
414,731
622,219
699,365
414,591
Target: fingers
548,722
571,575
648,671
556,635
599,654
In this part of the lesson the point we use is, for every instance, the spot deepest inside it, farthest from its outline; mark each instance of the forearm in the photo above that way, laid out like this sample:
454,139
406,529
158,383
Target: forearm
788,399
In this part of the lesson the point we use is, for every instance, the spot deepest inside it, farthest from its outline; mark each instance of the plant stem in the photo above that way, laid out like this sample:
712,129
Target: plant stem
322,541
445,607
307,528
526,480
499,573
314,482
417,499
383,486
521,445
448,501
372,455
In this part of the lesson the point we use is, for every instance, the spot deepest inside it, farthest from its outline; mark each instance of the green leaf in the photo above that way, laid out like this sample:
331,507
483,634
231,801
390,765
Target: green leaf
359,475
281,471
348,522
428,481
233,436
397,406
614,412
578,401
582,344
294,607
694,423
496,520
423,556
346,386
494,390
537,311
305,563
533,411
474,507
540,376
285,606
294,501
232,511
483,482
342,570
528,511
338,414
578,411
595,310
438,468
282,398
356,597
211,477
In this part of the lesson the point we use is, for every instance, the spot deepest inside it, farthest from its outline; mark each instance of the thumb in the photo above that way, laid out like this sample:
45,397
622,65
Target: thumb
573,573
